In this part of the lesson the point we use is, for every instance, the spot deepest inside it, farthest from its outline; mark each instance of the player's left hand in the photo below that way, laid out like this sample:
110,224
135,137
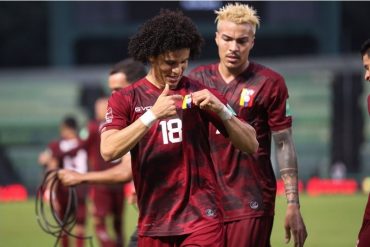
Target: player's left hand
205,100
294,225
69,178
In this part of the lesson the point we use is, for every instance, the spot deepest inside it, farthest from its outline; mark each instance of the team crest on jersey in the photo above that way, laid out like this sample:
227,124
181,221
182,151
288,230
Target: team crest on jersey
186,103
211,212
246,97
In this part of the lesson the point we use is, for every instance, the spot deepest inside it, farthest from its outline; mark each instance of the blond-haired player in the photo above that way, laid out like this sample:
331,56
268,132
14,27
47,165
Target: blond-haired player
260,96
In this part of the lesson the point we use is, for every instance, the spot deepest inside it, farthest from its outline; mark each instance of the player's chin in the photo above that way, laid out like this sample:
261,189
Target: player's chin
172,83
230,65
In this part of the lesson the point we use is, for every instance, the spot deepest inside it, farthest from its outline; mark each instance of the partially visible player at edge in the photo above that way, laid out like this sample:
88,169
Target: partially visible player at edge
260,97
164,119
364,234
121,75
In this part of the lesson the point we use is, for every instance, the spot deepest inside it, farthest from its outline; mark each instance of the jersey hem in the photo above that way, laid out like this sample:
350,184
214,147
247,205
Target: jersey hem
165,234
281,127
249,216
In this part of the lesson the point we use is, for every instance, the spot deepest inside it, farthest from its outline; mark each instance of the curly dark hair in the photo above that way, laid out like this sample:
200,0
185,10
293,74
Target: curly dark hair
168,31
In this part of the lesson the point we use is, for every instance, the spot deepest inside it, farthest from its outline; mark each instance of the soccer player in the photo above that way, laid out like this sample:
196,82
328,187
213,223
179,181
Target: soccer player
121,75
163,119
364,234
75,161
107,199
259,96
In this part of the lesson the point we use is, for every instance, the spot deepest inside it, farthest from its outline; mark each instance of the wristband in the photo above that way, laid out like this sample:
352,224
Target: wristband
225,113
148,118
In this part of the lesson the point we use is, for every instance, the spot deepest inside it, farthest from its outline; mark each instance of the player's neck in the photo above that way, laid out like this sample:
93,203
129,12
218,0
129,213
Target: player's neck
151,78
229,74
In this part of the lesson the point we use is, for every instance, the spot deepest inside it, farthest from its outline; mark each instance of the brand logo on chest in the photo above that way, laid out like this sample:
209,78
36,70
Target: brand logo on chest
140,109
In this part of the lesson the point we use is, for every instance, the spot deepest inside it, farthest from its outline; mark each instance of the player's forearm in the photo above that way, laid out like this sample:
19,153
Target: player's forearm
116,143
110,176
287,160
242,135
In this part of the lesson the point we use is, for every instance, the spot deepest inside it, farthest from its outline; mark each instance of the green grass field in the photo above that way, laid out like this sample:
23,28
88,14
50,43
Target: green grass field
332,221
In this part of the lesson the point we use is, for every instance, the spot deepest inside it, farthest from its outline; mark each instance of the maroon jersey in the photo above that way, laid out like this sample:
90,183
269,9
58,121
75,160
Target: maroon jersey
367,209
70,154
172,168
259,96
92,144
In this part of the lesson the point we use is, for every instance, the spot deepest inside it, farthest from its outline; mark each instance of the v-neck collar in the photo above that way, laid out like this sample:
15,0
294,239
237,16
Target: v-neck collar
236,79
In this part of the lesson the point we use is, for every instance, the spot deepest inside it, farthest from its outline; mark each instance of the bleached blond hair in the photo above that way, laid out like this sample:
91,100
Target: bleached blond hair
239,14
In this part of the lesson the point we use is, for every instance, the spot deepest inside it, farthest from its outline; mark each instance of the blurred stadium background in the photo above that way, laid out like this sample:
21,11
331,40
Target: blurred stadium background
55,58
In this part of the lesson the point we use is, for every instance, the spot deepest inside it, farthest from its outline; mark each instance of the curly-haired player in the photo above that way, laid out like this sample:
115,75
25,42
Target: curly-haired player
163,120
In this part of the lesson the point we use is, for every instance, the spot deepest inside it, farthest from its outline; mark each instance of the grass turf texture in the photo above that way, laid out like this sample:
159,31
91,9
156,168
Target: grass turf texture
331,221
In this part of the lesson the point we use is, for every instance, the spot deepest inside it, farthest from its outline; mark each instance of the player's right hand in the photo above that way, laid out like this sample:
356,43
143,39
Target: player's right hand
165,106
69,177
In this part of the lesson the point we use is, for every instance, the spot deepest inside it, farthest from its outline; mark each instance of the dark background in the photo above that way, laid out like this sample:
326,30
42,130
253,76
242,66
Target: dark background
90,33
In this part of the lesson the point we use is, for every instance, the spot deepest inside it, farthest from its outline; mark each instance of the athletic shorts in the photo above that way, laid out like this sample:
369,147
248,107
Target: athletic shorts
211,236
62,197
107,199
250,232
364,234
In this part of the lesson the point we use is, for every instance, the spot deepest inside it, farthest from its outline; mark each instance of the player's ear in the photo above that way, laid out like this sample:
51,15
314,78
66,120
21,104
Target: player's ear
253,41
216,37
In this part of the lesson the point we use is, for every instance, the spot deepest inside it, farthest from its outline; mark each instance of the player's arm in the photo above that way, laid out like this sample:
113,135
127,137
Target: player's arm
116,174
116,143
287,160
241,134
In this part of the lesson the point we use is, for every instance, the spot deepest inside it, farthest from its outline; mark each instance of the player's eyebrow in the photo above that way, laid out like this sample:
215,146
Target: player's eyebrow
238,39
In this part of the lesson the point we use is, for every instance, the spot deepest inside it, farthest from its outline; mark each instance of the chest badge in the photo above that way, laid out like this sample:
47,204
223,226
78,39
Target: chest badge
246,97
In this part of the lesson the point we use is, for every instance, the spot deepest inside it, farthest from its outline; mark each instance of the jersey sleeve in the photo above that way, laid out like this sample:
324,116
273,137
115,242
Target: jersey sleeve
118,112
278,106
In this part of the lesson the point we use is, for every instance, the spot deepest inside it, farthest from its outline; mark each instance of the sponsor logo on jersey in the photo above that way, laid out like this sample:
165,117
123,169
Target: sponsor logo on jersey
186,103
140,109
246,97
211,212
253,205
109,115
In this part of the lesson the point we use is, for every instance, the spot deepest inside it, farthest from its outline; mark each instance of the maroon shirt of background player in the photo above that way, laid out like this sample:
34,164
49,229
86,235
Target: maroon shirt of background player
108,198
173,173
92,144
67,152
367,210
258,96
